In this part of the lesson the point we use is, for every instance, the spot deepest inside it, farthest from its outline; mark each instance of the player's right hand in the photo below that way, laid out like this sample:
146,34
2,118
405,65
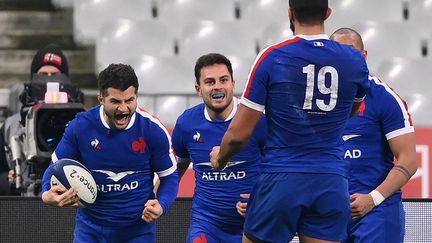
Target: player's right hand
59,196
361,204
242,206
214,155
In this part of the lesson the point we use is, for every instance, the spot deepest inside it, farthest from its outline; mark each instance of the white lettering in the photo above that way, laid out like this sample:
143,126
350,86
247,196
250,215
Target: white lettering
118,187
223,176
354,154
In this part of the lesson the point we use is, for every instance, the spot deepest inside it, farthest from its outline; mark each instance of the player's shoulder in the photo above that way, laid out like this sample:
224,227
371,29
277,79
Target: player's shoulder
143,116
344,51
192,113
88,115
381,90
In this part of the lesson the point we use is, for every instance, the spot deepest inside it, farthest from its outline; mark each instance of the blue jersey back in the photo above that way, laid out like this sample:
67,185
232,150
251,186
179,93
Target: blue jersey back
122,163
217,192
382,116
307,86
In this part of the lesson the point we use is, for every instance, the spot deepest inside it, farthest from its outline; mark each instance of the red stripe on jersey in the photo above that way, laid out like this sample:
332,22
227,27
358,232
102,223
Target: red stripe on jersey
261,58
406,108
403,101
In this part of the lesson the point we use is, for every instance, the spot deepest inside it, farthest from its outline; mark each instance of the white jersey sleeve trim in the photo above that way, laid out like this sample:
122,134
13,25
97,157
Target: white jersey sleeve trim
399,132
54,157
167,172
252,105
171,169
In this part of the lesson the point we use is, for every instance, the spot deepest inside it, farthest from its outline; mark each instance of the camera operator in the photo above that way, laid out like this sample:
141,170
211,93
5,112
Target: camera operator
47,62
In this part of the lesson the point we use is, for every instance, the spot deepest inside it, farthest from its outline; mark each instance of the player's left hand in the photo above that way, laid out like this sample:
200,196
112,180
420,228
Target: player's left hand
214,154
361,204
152,211
242,206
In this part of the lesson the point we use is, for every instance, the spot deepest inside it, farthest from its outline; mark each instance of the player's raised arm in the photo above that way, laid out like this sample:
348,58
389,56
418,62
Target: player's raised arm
237,135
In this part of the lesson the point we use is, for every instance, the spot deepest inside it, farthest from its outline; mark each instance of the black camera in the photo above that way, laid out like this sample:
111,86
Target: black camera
43,122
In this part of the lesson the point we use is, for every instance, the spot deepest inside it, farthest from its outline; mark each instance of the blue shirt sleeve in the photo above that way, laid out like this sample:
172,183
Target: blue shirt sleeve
177,140
46,185
394,115
164,164
255,93
362,80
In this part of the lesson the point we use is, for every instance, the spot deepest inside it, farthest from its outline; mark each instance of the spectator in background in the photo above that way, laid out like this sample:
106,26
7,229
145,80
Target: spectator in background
308,87
49,61
198,129
379,132
117,138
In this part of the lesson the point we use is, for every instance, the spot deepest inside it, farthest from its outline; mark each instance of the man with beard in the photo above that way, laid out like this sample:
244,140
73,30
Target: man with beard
117,138
198,129
308,86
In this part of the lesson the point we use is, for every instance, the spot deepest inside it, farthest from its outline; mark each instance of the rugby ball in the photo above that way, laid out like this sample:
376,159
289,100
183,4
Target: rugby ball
71,173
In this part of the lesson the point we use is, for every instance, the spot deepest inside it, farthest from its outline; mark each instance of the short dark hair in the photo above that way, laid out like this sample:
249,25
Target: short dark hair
309,11
349,31
209,60
117,76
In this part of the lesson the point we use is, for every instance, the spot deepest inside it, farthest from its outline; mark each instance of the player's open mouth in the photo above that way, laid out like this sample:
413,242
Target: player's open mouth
121,118
218,96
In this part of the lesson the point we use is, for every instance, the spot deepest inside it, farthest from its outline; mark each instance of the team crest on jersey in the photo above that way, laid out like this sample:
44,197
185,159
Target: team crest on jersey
139,146
197,137
361,109
95,144
318,43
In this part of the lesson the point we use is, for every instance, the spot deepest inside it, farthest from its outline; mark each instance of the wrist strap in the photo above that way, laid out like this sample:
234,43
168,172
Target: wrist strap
377,197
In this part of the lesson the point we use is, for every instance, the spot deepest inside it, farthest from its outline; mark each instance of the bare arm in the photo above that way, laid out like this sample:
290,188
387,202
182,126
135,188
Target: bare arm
237,135
403,148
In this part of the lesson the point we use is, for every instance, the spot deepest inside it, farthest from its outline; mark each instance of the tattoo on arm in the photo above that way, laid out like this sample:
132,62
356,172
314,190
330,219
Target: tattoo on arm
403,170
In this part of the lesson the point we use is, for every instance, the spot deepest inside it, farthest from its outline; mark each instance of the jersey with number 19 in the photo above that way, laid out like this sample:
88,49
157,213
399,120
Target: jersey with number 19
307,86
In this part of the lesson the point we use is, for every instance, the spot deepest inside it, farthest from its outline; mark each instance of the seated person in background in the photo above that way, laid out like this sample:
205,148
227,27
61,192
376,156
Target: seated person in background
49,61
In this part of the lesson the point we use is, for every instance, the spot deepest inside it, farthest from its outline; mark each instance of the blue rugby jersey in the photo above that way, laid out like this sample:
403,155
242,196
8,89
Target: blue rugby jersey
122,163
382,116
217,191
307,86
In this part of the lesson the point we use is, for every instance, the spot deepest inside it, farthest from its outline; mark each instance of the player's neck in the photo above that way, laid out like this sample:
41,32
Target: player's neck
309,29
223,115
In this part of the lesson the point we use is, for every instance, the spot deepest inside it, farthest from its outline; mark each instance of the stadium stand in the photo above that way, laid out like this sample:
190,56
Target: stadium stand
91,15
120,39
177,13
347,12
163,75
260,13
420,13
410,79
387,40
229,38
274,33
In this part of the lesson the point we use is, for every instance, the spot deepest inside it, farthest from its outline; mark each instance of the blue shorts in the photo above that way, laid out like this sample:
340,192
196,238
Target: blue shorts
314,205
87,231
200,231
385,223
